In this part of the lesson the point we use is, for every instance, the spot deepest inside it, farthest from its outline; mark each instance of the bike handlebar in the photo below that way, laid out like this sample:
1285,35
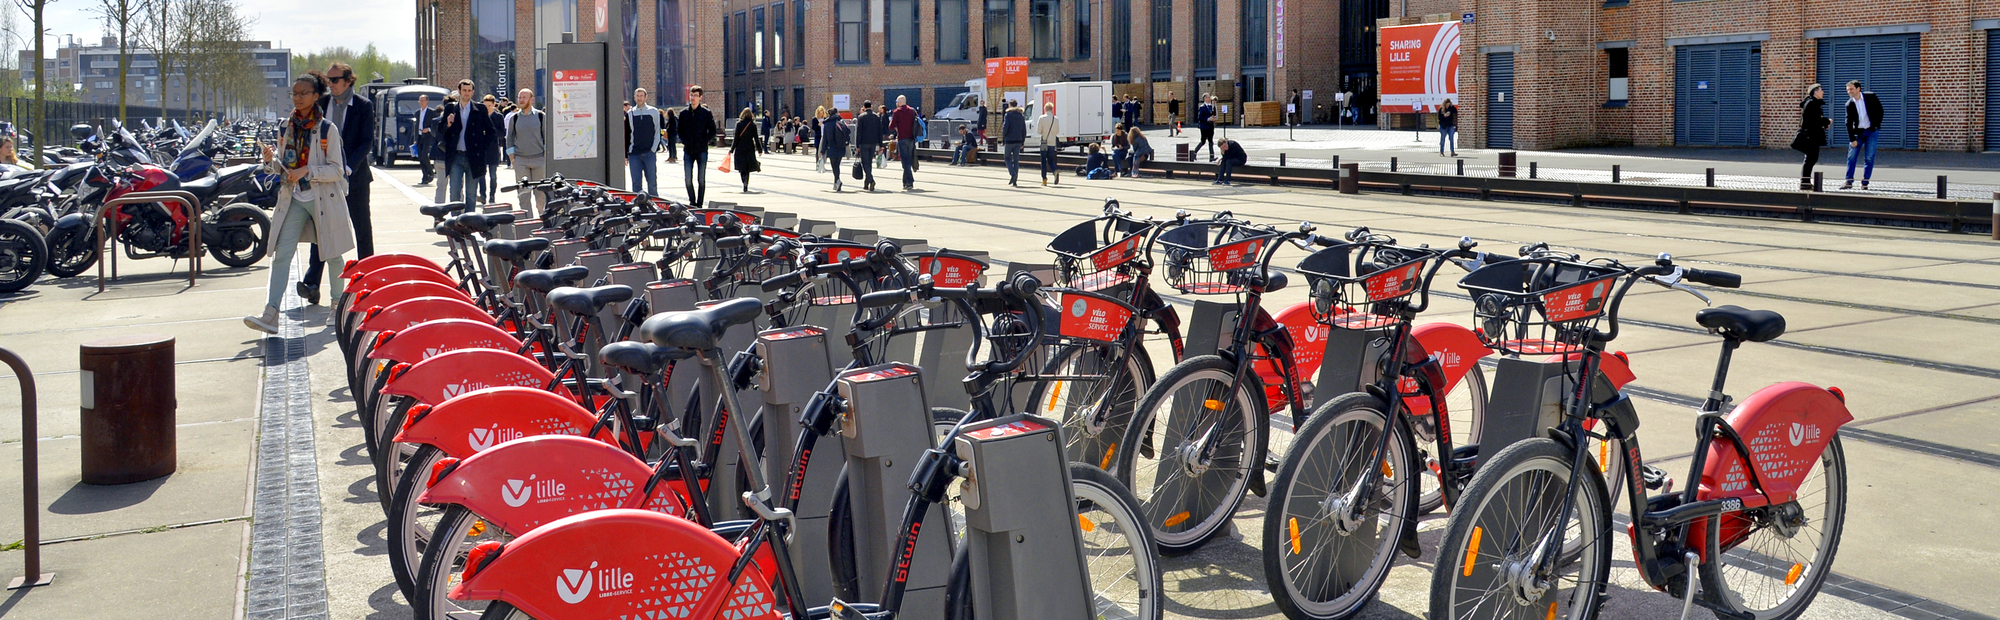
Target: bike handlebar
1722,279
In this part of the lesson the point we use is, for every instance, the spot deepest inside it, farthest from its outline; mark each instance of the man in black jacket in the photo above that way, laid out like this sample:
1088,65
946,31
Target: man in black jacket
354,115
695,126
1013,133
1864,119
467,135
867,136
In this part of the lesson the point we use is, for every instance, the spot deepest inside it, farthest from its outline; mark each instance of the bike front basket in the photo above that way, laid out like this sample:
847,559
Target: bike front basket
1540,306
1212,258
1089,254
1352,285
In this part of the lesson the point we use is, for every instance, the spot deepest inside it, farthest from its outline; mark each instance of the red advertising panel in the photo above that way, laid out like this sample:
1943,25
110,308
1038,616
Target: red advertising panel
1419,65
1577,301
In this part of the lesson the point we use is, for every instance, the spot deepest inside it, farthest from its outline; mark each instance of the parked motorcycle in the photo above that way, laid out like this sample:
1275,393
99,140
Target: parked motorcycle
237,235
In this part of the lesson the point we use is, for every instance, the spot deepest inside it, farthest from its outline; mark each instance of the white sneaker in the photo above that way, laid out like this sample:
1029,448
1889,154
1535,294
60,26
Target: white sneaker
267,323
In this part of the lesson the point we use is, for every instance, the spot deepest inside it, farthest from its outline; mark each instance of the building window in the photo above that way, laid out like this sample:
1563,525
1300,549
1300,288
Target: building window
1000,28
728,47
951,23
778,35
671,52
799,26
742,42
1120,25
1256,33
900,43
1083,29
757,38
1617,66
493,46
1204,38
853,40
1163,39
1044,19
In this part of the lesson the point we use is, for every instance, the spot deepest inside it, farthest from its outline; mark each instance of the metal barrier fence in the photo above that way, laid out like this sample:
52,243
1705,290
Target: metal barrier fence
63,114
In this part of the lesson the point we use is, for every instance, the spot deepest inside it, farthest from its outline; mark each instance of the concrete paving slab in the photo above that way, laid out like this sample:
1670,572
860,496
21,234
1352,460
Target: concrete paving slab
181,574
210,483
208,392
1973,426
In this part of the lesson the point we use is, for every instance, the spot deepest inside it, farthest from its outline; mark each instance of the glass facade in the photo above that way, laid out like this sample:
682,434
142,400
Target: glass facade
629,29
1163,39
1256,33
853,34
1204,38
493,47
672,54
999,28
1083,9
899,45
951,26
778,36
1045,20
757,38
1120,28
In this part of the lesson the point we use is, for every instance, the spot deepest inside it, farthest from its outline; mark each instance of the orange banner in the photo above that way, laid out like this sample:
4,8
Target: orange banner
1419,66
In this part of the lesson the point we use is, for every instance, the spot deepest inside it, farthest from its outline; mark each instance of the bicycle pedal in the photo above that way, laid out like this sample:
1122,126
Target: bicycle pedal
1271,463
1655,478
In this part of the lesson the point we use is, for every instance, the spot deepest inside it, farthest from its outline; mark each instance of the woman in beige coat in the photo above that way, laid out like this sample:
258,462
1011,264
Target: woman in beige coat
312,196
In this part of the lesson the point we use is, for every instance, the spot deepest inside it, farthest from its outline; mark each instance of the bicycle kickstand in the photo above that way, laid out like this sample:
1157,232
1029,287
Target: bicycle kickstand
1687,597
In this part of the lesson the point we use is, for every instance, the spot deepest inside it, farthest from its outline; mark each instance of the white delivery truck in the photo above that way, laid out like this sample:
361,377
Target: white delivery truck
1083,111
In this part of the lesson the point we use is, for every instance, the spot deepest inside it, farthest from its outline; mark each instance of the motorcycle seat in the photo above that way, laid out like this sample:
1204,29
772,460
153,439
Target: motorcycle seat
545,280
203,188
588,301
699,330
515,251
1742,324
439,210
640,358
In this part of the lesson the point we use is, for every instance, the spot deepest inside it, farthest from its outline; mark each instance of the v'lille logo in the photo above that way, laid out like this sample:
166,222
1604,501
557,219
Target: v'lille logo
481,438
573,585
517,493
1798,434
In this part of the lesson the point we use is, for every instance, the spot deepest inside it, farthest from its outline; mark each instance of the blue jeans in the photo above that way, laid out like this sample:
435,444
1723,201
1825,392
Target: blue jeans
1865,149
694,168
644,166
906,150
464,178
958,155
286,245
1225,170
1013,150
1447,134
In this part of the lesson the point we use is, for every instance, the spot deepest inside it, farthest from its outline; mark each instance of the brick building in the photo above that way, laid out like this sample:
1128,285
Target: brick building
1534,74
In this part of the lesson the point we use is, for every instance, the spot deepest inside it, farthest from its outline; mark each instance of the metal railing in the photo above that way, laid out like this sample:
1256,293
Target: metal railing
190,211
31,496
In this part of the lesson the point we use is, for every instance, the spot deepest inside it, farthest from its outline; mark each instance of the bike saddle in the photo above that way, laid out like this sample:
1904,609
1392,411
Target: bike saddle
545,280
515,251
1741,324
587,301
442,209
640,358
481,223
699,329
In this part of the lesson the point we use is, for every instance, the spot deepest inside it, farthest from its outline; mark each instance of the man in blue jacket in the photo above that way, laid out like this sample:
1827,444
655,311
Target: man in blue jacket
642,136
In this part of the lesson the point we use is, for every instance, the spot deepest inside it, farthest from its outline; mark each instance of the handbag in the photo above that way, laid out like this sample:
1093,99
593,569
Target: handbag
858,169
726,157
1802,142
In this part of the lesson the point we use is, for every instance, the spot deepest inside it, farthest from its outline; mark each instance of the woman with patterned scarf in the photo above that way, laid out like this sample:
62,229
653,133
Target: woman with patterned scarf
312,196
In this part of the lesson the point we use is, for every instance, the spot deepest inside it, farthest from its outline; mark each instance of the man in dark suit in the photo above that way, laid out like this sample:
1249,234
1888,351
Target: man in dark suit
696,128
867,137
354,115
1864,119
467,135
424,137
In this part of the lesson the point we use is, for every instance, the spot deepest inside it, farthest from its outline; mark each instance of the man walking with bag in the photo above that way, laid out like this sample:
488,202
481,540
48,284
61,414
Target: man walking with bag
1013,133
867,136
1048,129
904,122
1205,117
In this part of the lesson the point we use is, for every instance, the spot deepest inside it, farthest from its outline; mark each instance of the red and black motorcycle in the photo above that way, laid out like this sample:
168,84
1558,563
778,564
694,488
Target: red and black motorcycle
236,235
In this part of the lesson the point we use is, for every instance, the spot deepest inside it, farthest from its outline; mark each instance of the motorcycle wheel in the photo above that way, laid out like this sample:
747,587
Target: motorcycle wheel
241,246
71,252
23,252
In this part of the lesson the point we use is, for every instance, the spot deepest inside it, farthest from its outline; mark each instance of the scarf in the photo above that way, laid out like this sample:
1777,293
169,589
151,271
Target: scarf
298,143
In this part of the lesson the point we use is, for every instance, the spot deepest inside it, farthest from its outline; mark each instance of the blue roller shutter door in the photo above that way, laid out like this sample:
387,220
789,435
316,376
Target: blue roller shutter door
1500,100
1887,65
1717,94
1993,90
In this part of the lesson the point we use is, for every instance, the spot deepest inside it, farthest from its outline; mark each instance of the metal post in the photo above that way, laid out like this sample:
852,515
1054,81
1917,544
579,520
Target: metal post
31,520
1711,177
1614,173
1996,216
1281,159
1819,181
1336,162
1941,184
1392,164
1533,170
1461,167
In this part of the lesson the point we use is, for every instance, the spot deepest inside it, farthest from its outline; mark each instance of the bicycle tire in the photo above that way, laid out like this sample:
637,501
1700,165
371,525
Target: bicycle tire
1312,582
1223,480
1548,462
411,525
502,610
388,457
1736,565
24,251
842,556
1114,529
1088,441
443,563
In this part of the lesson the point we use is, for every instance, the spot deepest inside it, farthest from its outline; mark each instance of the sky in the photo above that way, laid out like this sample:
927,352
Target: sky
299,25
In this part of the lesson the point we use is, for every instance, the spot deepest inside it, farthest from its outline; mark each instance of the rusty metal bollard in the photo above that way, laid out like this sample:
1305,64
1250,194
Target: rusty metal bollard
128,409
31,496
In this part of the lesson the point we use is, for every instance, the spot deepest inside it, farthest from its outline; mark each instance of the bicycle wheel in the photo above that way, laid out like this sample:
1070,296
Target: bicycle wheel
391,457
843,556
1321,564
1465,405
1487,562
23,253
1191,449
1125,575
410,523
1773,563
501,610
1094,400
454,536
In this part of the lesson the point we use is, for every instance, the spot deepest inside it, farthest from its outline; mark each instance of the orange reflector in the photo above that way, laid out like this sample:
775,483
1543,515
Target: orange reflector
1055,396
1212,404
1387,471
1552,612
1472,550
478,528
1792,576
1603,456
1293,523
1084,522
1177,519
1108,451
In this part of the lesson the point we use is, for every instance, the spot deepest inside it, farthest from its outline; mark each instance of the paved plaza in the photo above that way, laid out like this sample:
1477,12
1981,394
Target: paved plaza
1905,322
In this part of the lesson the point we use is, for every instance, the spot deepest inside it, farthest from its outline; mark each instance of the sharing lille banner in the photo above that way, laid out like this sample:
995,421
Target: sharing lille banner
1419,67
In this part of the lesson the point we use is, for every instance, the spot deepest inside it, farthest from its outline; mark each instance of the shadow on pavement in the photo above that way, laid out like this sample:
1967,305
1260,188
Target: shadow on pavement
84,499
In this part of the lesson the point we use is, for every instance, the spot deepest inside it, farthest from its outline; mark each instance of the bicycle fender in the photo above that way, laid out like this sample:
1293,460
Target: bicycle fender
621,563
431,338
397,273
1785,426
1456,349
524,483
358,267
470,423
404,314
370,298
1277,337
438,379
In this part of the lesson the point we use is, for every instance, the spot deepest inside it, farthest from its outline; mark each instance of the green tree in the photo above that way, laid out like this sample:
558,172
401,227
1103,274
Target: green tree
368,63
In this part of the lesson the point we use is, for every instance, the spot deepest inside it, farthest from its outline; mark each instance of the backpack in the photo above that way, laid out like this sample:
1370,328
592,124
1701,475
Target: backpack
1099,173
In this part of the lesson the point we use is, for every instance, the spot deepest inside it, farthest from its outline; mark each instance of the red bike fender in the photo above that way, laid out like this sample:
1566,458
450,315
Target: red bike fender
1308,350
1457,350
403,315
399,273
472,422
524,483
369,298
1616,367
1786,426
656,566
356,268
438,379
429,338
